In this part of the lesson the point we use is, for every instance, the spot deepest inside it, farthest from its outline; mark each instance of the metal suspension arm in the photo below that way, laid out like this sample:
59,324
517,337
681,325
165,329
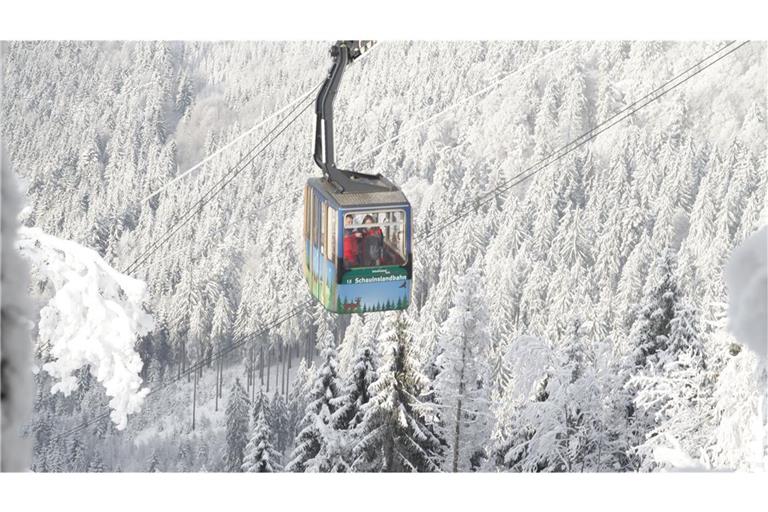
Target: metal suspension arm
343,53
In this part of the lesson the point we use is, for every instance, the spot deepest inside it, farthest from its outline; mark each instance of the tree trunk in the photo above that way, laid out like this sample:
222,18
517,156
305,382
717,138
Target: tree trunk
284,380
221,377
261,364
456,437
288,373
194,400
252,374
218,366
279,355
457,430
247,373
269,365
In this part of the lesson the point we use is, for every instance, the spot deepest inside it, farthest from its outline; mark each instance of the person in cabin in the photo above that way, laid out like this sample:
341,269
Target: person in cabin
372,244
352,239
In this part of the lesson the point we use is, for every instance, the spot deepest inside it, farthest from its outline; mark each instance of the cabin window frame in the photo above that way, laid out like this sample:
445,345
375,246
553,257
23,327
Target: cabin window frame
402,249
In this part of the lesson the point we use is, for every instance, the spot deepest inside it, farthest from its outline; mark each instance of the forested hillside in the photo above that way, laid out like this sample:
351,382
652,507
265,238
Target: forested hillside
574,323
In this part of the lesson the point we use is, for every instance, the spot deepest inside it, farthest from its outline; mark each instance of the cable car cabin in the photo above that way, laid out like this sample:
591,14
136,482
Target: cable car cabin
357,248
357,227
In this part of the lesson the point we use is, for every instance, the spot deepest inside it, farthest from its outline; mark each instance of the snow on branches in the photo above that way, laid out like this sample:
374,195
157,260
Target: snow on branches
93,316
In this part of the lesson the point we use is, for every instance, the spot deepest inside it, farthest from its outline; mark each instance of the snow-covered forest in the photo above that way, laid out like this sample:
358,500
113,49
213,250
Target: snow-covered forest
578,322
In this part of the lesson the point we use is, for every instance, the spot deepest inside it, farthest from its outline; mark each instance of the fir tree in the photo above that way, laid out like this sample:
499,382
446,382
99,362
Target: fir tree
221,326
317,447
260,455
650,332
397,432
679,392
153,465
279,422
355,395
76,457
464,375
237,427
96,465
298,398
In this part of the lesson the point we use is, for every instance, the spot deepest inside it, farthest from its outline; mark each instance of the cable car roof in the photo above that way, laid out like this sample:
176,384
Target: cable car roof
358,199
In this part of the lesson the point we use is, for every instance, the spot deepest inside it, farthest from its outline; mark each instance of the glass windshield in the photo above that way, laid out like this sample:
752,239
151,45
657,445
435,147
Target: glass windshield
374,238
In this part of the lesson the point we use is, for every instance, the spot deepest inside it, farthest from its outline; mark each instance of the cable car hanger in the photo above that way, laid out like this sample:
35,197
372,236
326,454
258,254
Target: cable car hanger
343,54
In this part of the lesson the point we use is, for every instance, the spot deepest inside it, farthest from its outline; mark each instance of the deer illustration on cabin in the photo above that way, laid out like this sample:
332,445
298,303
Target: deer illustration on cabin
352,306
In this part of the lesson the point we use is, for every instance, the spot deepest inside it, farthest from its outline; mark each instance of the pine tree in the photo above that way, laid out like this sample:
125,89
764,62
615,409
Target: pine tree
551,415
260,401
260,455
464,377
317,448
184,96
679,393
279,422
76,457
184,457
348,348
96,465
398,432
355,394
650,332
54,458
298,398
221,325
153,465
649,349
237,427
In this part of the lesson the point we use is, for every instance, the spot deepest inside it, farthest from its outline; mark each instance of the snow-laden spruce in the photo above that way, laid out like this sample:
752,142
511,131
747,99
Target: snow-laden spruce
236,415
92,317
319,446
260,455
464,378
398,431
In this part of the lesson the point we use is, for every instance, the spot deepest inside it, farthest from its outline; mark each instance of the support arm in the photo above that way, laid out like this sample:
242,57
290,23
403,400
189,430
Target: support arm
343,53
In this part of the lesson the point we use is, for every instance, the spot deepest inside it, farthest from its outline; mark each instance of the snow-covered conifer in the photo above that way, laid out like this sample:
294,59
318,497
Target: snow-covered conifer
236,415
316,448
463,381
260,455
398,431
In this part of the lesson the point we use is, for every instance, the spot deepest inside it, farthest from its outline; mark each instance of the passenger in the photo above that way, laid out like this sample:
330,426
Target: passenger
373,244
352,239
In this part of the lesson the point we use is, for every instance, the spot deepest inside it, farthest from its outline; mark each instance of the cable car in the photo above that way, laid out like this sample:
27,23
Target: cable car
357,226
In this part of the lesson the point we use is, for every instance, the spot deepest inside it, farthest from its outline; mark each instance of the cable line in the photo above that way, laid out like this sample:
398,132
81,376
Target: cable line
472,96
203,200
587,136
231,174
231,143
258,125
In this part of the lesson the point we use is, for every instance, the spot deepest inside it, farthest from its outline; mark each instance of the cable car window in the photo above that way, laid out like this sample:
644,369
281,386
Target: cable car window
311,213
330,248
305,210
374,238
323,226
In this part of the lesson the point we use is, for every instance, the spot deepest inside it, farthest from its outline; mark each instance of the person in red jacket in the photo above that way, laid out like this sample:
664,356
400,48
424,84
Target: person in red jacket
372,244
351,243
